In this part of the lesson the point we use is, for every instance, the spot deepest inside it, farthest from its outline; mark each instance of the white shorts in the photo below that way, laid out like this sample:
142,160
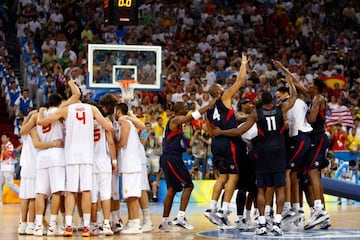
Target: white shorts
101,187
131,185
115,187
78,177
144,179
50,180
27,188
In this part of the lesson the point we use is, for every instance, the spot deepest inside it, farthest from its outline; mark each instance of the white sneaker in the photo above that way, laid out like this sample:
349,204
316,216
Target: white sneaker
22,228
261,230
51,230
60,230
269,222
117,227
276,230
318,217
147,226
106,230
211,215
325,225
94,230
29,229
131,228
167,227
39,230
243,225
182,222
299,219
287,220
223,216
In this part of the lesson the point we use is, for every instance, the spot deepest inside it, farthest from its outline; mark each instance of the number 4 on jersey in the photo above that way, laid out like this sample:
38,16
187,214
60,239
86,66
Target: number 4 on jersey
216,115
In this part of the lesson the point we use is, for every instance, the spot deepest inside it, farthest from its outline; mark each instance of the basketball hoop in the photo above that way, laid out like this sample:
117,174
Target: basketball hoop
127,90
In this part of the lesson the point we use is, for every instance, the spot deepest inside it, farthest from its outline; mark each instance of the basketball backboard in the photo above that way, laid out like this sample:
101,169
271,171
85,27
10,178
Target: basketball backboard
109,64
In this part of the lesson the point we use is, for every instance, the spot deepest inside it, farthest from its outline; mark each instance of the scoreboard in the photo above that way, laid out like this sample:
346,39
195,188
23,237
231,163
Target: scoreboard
121,12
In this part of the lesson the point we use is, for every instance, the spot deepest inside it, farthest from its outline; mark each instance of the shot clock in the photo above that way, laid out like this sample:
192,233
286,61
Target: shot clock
121,12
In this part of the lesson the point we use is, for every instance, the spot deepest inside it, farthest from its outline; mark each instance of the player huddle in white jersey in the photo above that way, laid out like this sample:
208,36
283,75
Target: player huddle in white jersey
72,154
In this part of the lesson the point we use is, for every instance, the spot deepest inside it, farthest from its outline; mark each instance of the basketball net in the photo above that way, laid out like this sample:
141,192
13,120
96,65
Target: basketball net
127,90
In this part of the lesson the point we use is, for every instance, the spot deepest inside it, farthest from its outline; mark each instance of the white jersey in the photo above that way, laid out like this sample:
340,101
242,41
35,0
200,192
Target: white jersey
51,157
28,157
250,134
132,156
297,118
79,134
102,158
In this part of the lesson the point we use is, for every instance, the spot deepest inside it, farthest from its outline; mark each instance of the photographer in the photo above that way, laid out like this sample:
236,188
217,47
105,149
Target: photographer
199,146
153,151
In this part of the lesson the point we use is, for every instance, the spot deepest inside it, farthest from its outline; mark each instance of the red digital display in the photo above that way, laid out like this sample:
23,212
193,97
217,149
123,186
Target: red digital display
121,12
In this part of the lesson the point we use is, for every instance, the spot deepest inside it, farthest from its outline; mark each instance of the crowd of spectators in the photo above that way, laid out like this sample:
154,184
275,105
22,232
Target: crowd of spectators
202,42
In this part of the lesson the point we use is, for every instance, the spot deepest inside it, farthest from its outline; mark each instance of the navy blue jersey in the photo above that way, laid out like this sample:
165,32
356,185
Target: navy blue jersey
270,141
222,117
319,124
173,142
271,126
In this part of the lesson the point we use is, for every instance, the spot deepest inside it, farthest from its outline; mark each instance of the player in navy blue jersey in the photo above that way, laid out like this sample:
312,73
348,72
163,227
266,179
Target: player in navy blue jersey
270,154
175,172
318,148
226,150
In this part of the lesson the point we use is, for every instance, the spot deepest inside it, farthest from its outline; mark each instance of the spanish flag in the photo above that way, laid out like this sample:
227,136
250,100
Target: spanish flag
336,79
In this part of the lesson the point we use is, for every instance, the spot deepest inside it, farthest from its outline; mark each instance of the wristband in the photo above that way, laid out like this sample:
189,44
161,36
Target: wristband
114,161
196,115
243,62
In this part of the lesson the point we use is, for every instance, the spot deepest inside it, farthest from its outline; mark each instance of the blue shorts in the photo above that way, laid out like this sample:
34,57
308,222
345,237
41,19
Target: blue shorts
298,150
175,172
317,152
276,179
226,157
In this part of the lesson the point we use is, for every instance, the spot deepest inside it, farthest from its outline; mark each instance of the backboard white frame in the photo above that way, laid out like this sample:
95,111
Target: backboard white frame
115,85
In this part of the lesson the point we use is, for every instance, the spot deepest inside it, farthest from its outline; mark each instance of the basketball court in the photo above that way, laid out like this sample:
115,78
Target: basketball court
344,219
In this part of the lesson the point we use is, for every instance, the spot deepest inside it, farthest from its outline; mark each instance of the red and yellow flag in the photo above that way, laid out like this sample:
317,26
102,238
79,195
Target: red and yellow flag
336,79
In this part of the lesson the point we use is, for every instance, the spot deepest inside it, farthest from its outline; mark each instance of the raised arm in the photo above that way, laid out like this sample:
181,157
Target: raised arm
75,94
290,78
286,71
240,80
286,106
315,108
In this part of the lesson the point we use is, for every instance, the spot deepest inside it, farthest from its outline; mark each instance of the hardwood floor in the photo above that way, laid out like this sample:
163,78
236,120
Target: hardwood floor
342,217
